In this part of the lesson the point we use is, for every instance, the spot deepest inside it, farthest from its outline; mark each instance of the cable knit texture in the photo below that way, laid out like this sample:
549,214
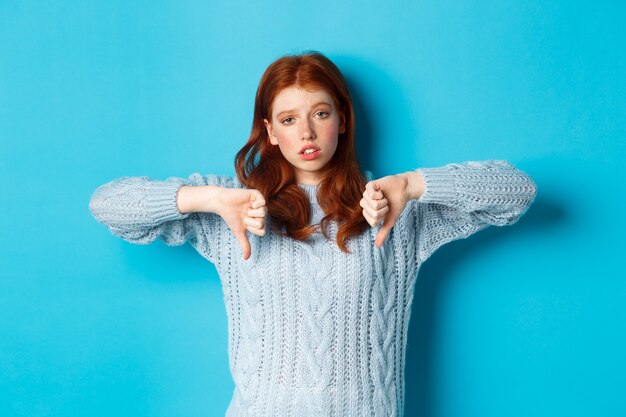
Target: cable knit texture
314,331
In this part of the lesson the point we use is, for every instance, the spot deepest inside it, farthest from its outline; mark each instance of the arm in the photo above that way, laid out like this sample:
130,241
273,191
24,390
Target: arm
459,199
493,192
201,198
140,210
449,202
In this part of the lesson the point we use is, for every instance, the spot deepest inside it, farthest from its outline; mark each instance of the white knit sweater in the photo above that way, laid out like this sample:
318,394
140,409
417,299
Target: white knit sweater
314,331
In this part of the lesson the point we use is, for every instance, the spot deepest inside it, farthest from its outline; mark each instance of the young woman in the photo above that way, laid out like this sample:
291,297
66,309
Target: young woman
317,260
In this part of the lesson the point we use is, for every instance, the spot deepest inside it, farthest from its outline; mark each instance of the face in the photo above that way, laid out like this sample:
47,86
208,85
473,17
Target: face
301,120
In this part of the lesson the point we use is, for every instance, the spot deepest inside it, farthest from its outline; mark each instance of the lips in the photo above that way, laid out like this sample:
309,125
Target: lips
315,148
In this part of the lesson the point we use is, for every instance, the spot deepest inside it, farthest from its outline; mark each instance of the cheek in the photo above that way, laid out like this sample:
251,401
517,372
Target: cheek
285,143
331,132
278,135
283,140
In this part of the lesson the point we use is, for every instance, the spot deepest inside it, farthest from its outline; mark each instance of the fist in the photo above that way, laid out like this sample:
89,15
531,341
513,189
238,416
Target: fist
384,200
243,210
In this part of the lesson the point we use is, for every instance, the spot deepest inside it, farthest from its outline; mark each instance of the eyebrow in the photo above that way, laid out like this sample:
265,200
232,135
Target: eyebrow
293,110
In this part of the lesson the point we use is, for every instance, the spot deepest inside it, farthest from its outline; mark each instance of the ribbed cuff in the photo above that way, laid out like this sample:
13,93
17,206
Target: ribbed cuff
161,201
439,185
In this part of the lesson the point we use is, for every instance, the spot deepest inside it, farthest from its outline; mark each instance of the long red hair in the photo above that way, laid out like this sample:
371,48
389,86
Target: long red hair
260,165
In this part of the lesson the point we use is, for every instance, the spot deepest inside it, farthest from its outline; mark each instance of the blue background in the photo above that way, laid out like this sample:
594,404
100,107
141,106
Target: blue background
515,321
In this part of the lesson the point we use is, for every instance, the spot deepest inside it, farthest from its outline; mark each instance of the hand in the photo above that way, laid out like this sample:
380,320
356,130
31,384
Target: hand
384,199
243,209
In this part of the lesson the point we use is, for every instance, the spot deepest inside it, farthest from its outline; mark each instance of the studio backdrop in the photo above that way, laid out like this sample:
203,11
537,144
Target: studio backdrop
514,321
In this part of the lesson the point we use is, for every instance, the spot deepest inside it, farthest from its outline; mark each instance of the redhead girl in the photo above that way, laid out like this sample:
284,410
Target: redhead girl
317,259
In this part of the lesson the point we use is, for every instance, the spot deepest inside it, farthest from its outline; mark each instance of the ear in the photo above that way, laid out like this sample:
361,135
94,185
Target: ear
270,133
342,124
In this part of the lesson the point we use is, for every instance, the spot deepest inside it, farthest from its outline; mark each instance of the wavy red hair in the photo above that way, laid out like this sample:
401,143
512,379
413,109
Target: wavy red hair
260,165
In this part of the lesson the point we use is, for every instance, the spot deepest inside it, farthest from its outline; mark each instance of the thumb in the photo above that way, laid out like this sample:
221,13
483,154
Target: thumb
384,231
373,187
244,243
256,199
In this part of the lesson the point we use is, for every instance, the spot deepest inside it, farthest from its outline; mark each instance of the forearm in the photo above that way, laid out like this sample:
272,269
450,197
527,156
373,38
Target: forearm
200,198
414,184
493,191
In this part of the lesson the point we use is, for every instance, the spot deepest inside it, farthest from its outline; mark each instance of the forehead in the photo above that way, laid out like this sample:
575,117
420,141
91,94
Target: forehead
294,98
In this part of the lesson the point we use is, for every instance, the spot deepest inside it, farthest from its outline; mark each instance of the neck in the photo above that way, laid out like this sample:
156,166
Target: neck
309,178
311,191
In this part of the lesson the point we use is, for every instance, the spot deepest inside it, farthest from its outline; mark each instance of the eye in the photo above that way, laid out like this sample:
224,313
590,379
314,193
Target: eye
287,120
322,114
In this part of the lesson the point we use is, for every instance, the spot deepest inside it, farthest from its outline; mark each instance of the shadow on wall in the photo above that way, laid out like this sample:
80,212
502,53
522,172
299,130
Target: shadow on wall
367,84
541,218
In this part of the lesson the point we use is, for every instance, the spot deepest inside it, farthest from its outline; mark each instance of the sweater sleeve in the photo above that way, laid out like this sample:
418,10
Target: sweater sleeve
141,209
461,199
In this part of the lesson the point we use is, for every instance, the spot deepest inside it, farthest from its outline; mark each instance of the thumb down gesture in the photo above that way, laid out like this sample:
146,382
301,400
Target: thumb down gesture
384,200
243,210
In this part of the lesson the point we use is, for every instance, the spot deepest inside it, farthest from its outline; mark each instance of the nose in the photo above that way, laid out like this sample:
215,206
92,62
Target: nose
307,130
